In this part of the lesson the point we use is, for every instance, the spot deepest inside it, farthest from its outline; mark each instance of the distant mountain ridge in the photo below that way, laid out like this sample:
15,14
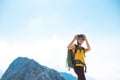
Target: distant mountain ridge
68,76
28,69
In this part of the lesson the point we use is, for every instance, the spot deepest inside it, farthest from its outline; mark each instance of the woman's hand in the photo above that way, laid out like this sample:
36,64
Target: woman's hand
71,43
76,37
84,37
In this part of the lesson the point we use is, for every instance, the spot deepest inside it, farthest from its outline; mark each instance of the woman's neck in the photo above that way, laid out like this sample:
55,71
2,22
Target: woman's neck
79,45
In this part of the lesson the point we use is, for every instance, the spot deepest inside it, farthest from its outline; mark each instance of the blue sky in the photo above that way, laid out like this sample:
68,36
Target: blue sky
28,26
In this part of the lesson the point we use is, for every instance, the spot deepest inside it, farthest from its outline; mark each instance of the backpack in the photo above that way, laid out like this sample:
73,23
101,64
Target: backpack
70,58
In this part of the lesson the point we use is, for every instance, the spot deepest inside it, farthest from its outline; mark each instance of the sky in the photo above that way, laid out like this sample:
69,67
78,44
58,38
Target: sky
42,29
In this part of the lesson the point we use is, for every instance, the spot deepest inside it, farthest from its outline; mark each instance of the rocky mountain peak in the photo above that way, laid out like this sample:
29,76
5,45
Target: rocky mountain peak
23,68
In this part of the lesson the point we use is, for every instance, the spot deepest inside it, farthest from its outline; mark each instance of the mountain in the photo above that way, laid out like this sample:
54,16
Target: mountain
1,72
68,76
23,68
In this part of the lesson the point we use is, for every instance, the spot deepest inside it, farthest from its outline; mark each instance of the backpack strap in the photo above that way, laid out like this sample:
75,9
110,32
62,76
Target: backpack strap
76,48
74,52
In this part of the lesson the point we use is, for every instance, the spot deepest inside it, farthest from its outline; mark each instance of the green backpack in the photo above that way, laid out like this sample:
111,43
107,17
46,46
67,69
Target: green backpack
70,58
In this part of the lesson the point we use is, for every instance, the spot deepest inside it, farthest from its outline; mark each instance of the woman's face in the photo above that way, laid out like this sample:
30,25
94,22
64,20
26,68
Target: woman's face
80,41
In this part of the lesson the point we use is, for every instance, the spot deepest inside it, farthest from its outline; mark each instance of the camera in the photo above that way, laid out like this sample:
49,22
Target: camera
80,36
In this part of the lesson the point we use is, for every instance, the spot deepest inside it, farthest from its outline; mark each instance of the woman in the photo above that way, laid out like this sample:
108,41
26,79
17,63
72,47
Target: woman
79,55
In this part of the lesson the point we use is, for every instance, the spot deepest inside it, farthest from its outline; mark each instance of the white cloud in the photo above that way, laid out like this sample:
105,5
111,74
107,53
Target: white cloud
102,61
1,73
107,72
50,52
